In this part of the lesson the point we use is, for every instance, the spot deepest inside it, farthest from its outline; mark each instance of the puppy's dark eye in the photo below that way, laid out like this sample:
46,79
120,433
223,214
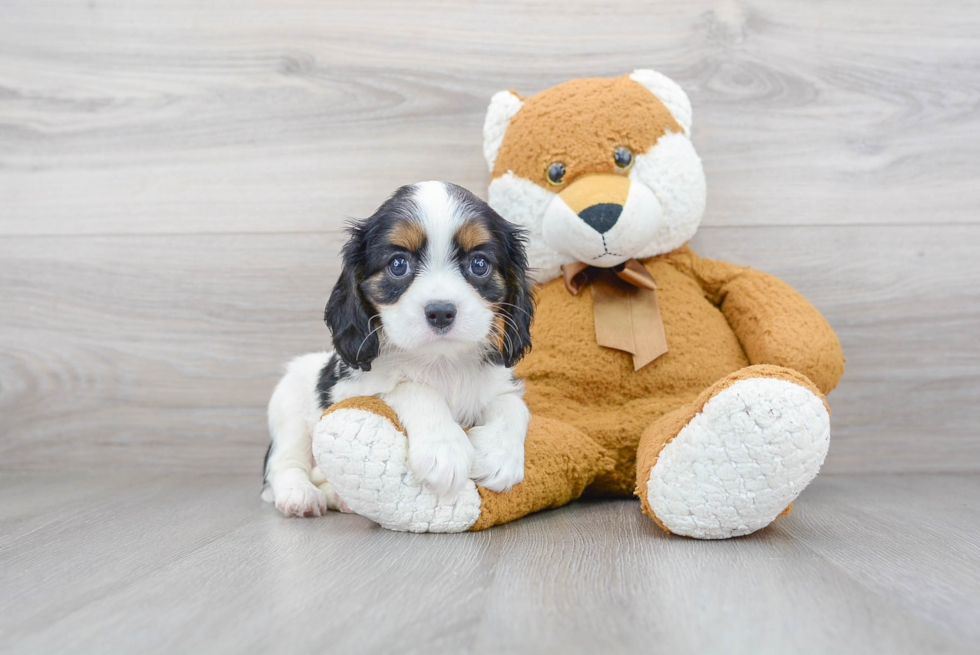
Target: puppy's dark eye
479,267
399,267
556,172
623,158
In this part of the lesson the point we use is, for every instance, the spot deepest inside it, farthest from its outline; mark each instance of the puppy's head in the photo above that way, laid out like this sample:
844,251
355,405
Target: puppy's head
435,271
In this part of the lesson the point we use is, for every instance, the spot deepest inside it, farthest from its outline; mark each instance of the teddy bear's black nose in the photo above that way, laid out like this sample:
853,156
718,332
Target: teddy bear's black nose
601,217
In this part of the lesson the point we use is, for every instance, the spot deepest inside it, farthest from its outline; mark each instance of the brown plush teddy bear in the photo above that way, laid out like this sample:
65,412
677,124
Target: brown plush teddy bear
696,384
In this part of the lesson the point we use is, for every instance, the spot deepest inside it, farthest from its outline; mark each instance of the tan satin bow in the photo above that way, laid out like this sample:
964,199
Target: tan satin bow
624,301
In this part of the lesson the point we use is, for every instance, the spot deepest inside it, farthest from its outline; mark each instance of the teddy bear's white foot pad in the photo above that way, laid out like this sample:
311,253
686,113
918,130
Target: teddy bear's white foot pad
365,458
741,461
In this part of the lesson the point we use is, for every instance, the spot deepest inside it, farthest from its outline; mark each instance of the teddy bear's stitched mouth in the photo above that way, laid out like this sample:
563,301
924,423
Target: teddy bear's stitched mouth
605,254
605,250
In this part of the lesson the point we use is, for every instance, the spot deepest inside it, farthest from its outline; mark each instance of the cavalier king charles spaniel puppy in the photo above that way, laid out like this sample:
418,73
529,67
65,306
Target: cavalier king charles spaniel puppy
432,310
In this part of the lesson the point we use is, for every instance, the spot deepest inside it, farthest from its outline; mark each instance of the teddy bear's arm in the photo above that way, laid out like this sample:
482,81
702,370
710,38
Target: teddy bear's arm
774,323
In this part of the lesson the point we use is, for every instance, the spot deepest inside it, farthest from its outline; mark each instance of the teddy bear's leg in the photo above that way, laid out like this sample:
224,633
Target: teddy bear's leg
362,449
334,502
735,459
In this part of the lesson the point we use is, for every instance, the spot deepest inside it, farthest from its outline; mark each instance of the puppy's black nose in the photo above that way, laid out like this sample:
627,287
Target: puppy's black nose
440,314
601,217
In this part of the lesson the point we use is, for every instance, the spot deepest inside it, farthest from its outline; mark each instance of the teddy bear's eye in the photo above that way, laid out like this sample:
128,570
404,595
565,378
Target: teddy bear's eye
556,172
623,158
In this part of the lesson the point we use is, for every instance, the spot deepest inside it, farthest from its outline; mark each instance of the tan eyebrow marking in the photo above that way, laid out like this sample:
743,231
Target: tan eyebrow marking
472,234
373,284
408,235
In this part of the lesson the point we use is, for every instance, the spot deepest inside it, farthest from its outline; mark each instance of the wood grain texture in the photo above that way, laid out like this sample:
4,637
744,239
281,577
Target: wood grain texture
174,177
173,117
166,564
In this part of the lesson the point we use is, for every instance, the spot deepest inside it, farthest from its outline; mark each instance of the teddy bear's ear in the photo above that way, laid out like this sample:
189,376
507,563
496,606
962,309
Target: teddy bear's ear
503,106
668,92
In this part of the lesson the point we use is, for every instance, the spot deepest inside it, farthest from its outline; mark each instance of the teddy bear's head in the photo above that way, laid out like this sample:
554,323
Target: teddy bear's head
598,170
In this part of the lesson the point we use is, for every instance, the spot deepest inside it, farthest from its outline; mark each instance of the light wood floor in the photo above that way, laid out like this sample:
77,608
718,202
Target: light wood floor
174,177
180,564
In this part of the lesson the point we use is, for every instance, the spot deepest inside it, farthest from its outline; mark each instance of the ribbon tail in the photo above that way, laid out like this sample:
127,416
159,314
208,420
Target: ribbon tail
613,317
648,328
628,317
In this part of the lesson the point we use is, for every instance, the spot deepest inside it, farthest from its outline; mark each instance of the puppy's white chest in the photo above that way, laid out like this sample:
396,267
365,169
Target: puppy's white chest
466,388
466,385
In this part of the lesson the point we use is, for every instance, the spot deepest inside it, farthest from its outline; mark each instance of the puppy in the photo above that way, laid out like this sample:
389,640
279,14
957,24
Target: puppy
432,310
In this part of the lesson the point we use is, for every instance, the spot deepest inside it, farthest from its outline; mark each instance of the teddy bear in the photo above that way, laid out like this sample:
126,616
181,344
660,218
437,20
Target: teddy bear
697,385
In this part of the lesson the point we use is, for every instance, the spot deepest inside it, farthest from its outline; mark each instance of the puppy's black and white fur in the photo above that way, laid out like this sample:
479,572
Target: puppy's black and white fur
432,309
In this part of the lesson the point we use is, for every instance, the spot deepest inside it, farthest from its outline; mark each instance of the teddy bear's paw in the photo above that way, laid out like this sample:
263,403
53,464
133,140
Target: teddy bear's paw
365,458
741,461
334,503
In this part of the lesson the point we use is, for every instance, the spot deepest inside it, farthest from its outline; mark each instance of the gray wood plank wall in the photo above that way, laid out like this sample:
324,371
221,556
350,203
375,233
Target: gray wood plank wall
174,178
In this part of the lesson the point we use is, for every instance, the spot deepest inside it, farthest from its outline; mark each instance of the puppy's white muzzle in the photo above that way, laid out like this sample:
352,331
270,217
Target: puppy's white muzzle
602,220
439,313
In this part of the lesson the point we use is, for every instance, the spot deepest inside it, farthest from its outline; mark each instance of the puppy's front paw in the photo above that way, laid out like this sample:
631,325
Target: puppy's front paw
442,459
295,495
498,462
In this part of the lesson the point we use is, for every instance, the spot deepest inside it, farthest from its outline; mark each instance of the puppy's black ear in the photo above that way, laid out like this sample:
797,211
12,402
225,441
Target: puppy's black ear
519,308
348,313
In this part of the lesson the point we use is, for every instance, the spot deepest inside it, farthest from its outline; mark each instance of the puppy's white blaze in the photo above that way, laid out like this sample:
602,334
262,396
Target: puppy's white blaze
440,218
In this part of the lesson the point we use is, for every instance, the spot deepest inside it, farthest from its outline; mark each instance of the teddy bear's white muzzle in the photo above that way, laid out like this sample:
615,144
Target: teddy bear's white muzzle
605,231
